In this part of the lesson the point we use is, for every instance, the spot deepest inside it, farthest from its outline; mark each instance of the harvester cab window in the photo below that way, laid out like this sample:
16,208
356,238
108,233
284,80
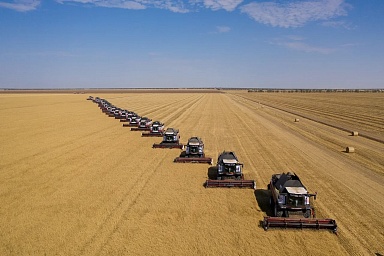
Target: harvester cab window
230,168
295,201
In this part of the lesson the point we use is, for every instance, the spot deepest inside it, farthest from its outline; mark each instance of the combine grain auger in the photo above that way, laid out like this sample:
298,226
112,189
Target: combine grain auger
291,205
171,139
194,152
156,129
229,173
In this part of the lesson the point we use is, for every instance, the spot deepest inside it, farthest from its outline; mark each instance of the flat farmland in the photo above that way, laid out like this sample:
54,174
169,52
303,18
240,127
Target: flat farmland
75,182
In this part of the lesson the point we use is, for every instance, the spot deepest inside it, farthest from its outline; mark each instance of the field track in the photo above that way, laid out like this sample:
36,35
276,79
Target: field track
75,182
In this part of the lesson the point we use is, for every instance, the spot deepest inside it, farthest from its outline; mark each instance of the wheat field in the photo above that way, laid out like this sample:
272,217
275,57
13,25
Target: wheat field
75,182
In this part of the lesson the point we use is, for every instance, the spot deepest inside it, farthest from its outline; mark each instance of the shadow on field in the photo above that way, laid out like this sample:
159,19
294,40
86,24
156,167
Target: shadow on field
183,154
262,197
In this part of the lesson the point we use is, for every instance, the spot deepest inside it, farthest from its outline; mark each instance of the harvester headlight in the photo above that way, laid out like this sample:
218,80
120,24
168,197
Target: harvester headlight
307,200
187,150
281,199
238,168
174,138
200,150
220,169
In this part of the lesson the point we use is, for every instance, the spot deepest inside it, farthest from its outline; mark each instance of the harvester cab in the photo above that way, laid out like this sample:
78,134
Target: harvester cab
195,147
156,129
171,139
134,121
145,122
229,173
291,205
290,196
194,152
228,166
143,125
125,116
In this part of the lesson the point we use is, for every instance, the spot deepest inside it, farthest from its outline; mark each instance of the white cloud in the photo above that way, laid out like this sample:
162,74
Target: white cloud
108,3
223,29
294,13
174,6
21,5
338,24
228,5
179,6
298,44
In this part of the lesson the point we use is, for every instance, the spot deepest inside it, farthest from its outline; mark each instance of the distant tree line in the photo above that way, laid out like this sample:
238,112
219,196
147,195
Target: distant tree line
313,90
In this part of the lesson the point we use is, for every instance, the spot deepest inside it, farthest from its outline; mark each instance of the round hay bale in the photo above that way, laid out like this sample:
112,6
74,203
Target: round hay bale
355,133
297,119
350,150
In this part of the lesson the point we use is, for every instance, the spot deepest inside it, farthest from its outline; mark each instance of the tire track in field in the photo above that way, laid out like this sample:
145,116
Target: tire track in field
253,137
173,115
360,200
73,144
369,155
113,220
327,110
365,135
155,107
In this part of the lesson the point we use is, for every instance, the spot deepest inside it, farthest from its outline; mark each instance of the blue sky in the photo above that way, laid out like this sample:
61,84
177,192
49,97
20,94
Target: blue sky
191,43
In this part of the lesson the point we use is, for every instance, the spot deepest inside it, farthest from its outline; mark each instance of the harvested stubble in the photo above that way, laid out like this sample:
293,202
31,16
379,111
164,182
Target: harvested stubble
87,186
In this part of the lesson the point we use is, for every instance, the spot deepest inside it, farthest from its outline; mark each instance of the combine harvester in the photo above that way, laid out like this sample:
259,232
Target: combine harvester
144,125
290,202
133,121
229,173
171,139
121,114
155,130
127,117
194,152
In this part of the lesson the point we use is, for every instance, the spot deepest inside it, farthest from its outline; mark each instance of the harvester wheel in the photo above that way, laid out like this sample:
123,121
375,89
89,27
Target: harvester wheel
277,213
307,213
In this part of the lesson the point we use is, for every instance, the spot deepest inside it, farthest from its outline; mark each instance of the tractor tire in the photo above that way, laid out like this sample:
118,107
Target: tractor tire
277,213
307,213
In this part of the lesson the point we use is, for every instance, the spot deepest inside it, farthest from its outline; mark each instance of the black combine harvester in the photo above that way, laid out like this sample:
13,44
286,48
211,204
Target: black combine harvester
194,152
155,130
171,139
133,121
229,173
144,125
291,205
